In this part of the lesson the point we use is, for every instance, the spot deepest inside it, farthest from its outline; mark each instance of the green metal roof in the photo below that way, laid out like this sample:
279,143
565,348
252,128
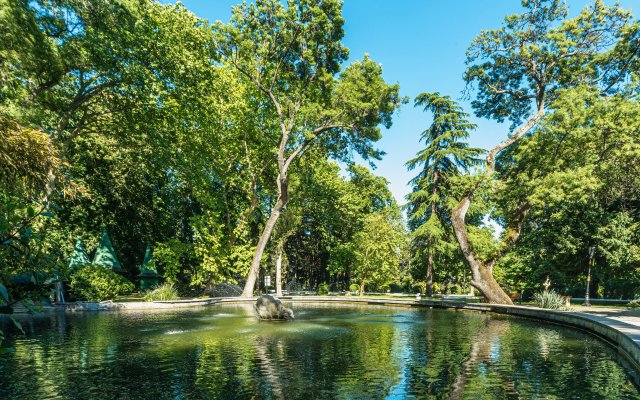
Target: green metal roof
105,255
79,258
148,267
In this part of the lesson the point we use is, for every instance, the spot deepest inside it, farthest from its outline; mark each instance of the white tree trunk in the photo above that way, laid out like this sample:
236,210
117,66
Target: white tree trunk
279,272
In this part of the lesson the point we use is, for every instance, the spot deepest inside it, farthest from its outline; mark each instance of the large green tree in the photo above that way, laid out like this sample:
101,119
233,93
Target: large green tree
293,55
127,94
518,70
377,252
579,173
446,154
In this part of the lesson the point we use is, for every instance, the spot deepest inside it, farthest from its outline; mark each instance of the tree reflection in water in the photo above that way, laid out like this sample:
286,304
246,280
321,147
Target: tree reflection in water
327,352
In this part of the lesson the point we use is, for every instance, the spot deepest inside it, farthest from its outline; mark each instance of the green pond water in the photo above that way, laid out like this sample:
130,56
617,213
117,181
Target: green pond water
328,352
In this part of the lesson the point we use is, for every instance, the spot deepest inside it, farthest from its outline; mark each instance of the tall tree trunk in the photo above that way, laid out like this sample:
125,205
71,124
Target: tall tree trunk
279,272
429,288
283,200
482,271
262,244
361,288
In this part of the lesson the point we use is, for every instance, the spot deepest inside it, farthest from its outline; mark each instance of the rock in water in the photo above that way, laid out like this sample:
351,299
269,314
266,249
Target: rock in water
269,307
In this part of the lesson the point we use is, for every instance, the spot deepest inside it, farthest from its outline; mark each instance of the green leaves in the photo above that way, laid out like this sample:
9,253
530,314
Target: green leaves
521,66
446,155
282,48
579,173
377,250
96,283
292,55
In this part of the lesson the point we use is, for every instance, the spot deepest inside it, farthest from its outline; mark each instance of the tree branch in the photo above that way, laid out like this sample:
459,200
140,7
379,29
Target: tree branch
459,212
314,134
512,234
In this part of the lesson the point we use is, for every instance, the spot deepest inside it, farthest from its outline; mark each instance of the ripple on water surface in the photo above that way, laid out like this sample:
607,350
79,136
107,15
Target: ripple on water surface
344,352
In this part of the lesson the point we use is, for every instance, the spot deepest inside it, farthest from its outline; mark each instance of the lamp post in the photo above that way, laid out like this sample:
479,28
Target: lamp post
592,252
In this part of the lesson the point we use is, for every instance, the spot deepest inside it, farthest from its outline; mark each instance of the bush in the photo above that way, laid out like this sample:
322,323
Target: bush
95,283
354,287
633,304
548,299
323,289
163,292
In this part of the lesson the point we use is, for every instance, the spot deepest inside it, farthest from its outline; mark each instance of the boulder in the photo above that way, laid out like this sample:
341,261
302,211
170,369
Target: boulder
269,307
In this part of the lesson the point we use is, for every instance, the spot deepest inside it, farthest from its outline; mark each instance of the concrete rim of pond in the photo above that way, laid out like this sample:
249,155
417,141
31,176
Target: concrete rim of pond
624,337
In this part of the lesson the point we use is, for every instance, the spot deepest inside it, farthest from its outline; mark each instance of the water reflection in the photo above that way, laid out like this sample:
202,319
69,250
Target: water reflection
327,352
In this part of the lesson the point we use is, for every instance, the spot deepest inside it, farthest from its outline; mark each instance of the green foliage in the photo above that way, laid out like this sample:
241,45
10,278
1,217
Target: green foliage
163,292
331,209
171,258
633,304
323,289
548,299
146,119
577,174
354,287
161,142
291,56
520,71
377,252
24,223
95,283
446,155
540,52
217,261
28,159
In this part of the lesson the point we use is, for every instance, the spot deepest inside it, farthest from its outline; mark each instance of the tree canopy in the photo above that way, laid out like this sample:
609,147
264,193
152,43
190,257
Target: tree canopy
240,148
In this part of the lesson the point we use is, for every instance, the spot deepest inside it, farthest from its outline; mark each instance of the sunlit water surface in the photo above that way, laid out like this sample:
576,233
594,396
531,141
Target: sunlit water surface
343,352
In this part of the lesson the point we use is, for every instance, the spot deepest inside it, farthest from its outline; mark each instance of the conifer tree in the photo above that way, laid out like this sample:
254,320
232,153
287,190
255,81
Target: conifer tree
446,153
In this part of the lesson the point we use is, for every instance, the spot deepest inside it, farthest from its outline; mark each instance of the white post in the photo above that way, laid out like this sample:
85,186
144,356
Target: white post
279,272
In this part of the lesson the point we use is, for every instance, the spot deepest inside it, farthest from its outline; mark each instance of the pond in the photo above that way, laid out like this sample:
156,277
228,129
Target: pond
328,352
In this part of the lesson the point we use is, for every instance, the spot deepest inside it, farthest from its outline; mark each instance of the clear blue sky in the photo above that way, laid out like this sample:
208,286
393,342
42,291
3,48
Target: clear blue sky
421,44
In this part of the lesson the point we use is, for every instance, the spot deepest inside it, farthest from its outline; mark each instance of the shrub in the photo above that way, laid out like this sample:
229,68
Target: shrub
633,304
323,289
163,292
95,283
354,287
548,299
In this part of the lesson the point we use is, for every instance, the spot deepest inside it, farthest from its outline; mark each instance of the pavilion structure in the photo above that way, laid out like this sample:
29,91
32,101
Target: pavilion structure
79,258
105,254
149,277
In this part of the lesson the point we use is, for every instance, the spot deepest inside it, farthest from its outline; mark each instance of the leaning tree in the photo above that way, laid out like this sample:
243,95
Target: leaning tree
517,71
293,55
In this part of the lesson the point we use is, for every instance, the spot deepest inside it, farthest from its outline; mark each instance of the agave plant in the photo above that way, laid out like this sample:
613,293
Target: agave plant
548,299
